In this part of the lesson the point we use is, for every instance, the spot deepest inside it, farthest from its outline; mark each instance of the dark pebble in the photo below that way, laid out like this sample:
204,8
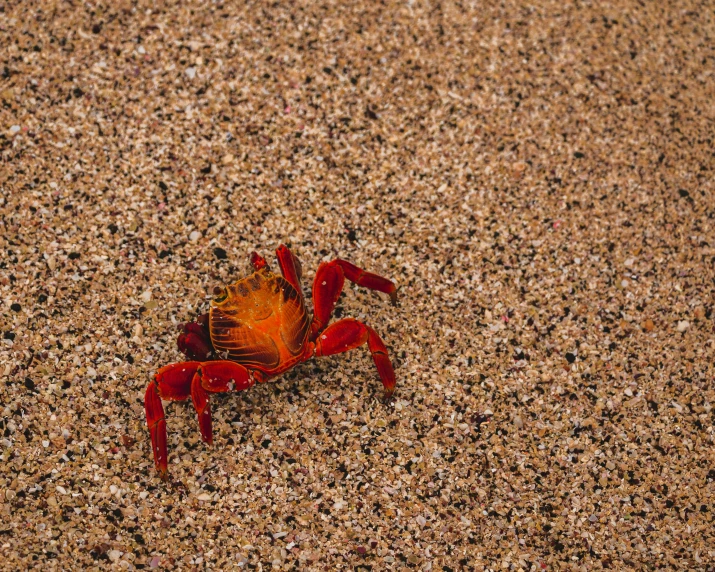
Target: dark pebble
370,114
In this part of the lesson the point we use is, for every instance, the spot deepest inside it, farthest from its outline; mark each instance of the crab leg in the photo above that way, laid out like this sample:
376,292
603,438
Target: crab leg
172,383
290,266
329,282
176,382
216,377
349,334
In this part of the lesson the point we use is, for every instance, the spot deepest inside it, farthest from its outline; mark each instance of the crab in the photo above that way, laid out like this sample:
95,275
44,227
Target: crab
257,329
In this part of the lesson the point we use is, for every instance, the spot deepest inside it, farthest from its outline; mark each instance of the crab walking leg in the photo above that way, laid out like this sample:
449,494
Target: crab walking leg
290,266
367,279
329,282
327,286
216,377
349,334
172,383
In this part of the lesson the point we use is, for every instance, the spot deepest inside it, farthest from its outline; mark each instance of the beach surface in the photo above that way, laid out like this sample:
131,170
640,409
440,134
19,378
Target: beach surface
537,179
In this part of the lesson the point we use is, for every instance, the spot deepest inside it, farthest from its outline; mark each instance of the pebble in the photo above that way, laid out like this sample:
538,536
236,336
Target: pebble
683,325
190,72
194,236
114,555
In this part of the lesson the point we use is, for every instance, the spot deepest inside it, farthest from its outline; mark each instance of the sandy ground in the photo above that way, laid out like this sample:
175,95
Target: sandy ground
537,178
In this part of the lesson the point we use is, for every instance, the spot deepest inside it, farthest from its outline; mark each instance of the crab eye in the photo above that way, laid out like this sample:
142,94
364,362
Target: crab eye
220,294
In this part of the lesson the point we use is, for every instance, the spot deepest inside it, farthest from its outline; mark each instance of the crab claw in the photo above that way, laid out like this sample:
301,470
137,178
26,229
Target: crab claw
257,261
194,342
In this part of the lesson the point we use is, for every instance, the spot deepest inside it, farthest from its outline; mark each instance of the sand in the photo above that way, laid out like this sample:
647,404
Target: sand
537,179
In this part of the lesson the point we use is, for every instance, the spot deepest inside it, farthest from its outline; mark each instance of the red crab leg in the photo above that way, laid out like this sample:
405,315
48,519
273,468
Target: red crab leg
349,334
195,341
328,283
290,266
176,382
172,383
216,377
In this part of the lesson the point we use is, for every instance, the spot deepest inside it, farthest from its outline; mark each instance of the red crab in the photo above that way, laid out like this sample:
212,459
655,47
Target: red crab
257,329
